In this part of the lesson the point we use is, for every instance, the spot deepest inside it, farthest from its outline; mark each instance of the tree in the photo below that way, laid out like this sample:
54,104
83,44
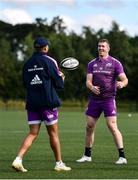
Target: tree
9,82
17,45
58,25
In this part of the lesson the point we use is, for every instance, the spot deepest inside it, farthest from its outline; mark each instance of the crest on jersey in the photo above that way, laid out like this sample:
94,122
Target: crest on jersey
95,65
108,64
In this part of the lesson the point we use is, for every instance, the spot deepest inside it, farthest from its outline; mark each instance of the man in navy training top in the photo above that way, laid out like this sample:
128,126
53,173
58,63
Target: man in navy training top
101,80
42,79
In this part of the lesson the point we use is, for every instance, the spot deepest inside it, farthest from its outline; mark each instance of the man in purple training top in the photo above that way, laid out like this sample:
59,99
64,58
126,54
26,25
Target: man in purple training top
102,74
42,79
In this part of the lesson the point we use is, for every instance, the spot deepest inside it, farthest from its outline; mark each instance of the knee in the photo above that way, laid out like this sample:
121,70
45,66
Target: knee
113,129
53,133
89,127
34,134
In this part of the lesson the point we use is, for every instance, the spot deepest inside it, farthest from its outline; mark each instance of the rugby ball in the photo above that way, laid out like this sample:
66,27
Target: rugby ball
69,63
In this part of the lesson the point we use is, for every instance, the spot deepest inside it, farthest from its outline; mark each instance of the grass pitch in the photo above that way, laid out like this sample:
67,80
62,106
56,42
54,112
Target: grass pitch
40,160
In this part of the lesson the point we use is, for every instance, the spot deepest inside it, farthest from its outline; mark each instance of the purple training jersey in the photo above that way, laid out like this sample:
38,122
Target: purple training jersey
105,72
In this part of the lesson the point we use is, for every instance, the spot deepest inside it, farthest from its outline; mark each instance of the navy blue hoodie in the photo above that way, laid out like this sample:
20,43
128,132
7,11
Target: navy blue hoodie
42,80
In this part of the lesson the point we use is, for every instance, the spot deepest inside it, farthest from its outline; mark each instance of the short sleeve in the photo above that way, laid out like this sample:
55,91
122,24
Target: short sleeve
119,68
90,68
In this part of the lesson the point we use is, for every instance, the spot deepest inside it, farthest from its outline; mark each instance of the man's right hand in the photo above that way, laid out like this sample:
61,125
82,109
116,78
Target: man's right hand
95,90
62,75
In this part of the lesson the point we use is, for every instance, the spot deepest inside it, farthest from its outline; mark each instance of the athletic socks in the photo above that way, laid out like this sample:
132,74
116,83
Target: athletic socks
59,162
121,152
88,151
19,159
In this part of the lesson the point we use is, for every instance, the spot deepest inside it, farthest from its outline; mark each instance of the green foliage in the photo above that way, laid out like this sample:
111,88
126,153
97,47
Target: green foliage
8,73
69,105
12,105
16,44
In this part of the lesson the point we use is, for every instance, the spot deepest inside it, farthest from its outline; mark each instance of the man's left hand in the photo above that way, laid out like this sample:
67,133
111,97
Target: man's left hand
120,84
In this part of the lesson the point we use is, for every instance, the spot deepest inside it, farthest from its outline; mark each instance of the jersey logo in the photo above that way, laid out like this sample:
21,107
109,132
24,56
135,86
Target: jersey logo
113,112
95,65
108,64
36,80
35,68
50,116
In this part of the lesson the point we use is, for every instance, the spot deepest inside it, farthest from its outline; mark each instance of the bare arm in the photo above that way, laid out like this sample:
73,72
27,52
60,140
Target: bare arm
94,89
123,81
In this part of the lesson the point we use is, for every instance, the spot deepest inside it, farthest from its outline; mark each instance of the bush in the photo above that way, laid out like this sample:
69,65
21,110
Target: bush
70,105
12,105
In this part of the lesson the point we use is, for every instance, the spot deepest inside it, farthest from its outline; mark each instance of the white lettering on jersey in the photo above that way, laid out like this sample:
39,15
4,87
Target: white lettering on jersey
102,71
35,68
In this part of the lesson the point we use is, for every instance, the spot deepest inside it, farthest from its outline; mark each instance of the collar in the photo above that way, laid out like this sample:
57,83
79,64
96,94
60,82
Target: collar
40,53
104,59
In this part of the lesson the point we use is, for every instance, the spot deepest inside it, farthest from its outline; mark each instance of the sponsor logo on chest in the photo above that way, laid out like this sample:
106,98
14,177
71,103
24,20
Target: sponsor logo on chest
105,69
35,68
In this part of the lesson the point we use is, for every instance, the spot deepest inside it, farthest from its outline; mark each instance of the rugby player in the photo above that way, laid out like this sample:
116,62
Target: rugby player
42,79
105,75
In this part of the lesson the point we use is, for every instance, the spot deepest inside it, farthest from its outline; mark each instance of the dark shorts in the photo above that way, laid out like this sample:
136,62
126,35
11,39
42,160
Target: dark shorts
48,116
95,108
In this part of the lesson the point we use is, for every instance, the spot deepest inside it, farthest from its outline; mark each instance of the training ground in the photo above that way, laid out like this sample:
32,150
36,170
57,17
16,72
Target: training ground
40,161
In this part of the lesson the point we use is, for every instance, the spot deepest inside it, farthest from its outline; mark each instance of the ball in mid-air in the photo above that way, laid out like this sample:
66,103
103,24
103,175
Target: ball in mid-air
69,63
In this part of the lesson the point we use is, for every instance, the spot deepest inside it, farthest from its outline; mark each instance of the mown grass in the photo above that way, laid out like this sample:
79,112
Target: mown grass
40,161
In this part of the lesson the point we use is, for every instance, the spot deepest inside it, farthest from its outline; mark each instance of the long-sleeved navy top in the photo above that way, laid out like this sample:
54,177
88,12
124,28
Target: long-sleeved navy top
41,79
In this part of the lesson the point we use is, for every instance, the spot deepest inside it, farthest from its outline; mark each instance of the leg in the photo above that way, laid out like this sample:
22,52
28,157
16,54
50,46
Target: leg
112,125
109,108
17,163
93,113
54,140
90,126
89,139
34,130
50,117
55,145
